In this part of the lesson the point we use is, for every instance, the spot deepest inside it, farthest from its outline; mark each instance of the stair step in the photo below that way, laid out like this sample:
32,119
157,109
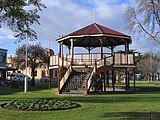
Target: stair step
77,81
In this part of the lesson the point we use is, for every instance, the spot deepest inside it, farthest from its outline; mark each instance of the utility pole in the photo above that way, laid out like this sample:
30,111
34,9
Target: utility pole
26,59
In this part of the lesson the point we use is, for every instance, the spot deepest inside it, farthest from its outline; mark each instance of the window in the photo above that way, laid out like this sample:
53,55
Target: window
43,73
35,73
2,57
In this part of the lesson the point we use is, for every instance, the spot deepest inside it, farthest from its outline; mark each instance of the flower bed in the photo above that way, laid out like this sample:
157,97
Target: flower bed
40,105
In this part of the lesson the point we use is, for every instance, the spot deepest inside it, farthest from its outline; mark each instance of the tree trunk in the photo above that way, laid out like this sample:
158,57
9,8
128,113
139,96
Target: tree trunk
33,77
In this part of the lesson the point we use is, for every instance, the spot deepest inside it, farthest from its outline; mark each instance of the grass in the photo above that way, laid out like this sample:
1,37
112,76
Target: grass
143,105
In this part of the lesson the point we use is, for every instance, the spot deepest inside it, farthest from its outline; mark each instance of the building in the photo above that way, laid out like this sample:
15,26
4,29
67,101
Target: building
3,61
40,71
76,70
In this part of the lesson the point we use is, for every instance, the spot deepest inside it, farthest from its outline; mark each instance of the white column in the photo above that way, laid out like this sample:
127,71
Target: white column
89,52
62,54
62,50
101,42
72,50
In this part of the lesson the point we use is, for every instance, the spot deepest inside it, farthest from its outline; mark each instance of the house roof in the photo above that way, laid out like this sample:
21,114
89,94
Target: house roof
92,33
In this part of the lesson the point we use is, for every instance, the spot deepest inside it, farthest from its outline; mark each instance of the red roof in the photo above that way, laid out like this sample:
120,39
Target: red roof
90,36
96,29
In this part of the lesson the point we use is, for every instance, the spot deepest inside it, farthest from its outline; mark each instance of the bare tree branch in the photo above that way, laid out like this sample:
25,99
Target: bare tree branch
145,17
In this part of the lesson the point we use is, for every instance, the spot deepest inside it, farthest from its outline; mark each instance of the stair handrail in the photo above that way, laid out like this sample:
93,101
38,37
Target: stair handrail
103,60
106,58
64,62
65,77
89,80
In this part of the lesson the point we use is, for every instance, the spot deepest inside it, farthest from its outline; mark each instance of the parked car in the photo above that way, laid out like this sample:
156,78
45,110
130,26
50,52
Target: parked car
20,77
4,83
44,79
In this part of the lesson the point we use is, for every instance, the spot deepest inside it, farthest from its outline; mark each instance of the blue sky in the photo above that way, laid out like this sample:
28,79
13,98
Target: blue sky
65,16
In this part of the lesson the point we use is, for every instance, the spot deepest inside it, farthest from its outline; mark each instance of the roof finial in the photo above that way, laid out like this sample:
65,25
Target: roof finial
94,15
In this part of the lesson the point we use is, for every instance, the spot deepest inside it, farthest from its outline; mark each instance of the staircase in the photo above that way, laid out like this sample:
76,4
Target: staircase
76,82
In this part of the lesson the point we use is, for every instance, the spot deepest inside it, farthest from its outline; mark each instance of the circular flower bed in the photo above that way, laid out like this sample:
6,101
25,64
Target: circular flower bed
40,105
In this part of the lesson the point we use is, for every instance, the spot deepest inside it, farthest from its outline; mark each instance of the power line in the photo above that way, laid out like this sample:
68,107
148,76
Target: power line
41,33
48,30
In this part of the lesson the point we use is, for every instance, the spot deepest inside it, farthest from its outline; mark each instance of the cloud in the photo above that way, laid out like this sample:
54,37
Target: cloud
62,17
7,40
6,34
65,16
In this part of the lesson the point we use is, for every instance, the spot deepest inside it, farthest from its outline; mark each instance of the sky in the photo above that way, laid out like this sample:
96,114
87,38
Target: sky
62,17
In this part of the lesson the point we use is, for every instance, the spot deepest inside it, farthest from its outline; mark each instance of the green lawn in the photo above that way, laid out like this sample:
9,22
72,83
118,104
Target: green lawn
143,105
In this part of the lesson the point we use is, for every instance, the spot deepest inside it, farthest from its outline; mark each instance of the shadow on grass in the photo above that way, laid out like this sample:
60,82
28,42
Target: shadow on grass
132,115
149,89
112,99
145,88
98,99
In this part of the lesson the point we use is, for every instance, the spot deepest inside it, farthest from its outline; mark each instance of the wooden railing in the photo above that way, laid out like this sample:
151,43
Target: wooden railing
54,60
124,58
64,62
85,59
65,77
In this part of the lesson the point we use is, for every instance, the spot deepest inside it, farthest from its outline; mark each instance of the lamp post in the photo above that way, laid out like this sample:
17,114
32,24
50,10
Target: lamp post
26,57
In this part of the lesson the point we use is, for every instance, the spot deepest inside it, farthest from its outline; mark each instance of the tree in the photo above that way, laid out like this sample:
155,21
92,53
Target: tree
19,15
37,56
15,62
144,17
148,65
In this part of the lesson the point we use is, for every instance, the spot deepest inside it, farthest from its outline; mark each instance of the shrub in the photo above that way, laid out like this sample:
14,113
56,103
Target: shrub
40,105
